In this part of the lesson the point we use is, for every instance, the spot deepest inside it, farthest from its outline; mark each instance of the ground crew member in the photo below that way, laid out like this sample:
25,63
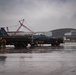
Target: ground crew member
0,42
3,43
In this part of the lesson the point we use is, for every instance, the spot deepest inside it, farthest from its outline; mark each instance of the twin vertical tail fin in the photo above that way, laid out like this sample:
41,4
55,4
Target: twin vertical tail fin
3,33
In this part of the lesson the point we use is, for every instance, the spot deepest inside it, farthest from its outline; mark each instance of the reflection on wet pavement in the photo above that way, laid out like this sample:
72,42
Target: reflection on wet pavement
67,47
44,60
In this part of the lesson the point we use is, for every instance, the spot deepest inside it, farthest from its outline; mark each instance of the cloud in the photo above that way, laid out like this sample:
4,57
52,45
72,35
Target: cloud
41,15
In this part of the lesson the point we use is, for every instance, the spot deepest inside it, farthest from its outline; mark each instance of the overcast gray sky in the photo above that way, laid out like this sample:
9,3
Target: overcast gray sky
41,15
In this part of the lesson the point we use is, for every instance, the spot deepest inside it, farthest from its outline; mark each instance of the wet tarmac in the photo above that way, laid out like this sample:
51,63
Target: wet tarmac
45,60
